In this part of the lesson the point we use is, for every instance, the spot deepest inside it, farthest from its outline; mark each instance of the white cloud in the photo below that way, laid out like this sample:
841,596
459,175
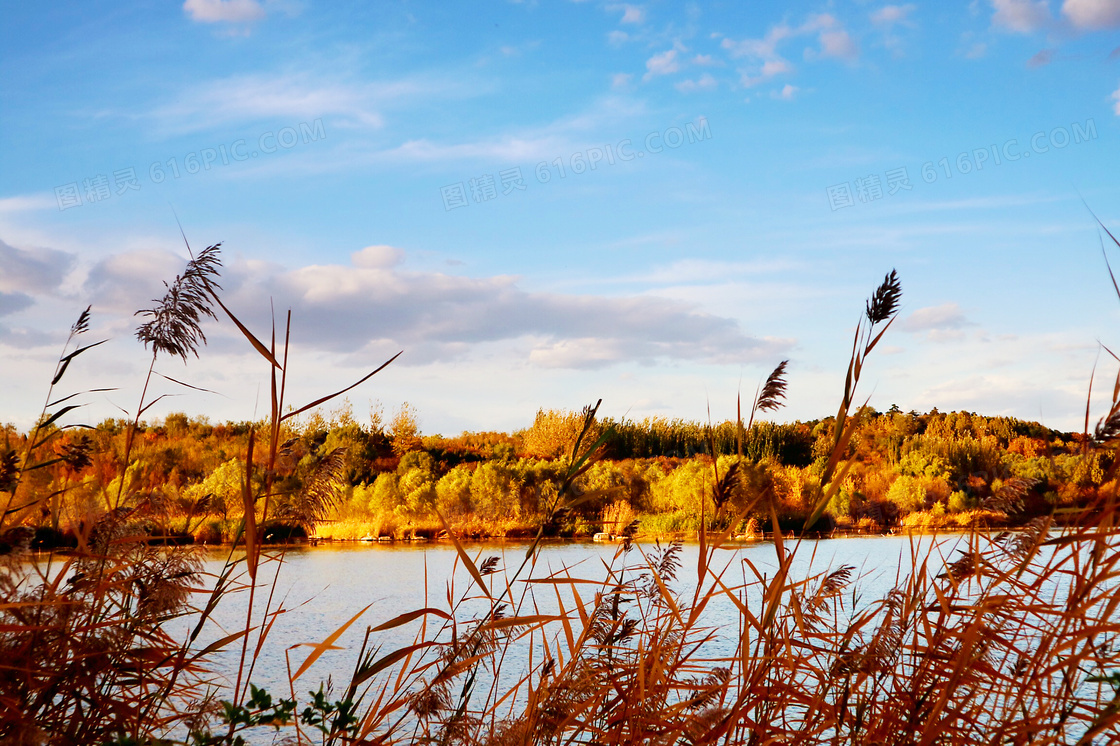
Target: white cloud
224,11
439,316
939,323
257,98
27,203
301,96
787,93
765,48
379,256
891,15
834,40
1116,95
617,38
769,69
704,83
373,304
567,135
775,67
662,63
600,352
765,61
633,14
996,394
704,59
1092,14
704,271
1021,16
621,81
838,44
510,148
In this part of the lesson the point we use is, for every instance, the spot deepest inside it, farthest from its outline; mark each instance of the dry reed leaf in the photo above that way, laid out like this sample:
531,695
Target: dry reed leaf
327,643
467,561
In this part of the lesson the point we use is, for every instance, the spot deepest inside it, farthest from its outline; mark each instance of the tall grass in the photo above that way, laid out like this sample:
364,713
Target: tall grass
1013,639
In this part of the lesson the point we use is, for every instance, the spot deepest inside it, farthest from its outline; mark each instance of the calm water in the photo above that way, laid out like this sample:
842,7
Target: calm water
322,587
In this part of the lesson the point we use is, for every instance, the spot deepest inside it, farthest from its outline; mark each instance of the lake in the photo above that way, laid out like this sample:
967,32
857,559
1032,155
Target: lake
324,586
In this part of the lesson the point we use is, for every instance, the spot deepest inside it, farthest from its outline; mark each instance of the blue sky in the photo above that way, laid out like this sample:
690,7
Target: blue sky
546,203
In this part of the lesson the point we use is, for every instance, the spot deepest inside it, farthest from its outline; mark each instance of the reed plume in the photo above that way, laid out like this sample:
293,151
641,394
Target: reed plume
175,326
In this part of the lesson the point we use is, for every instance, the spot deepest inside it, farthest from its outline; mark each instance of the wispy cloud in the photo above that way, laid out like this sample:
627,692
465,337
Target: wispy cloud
769,69
938,323
765,61
834,39
839,44
257,98
27,203
888,20
709,271
705,82
632,14
1116,97
562,137
503,149
224,11
1020,16
609,119
764,48
662,63
892,15
786,93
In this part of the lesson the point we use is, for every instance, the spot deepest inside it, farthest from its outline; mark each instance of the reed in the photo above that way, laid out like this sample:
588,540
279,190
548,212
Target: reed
84,657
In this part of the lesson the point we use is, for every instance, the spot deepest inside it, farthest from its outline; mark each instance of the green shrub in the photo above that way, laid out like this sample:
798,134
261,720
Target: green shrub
683,489
495,491
384,496
453,492
908,494
669,524
960,502
922,464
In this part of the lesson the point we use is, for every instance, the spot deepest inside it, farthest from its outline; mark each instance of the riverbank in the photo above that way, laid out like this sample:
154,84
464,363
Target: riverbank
926,522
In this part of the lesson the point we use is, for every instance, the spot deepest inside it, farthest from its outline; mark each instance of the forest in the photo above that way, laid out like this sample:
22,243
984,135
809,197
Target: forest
338,478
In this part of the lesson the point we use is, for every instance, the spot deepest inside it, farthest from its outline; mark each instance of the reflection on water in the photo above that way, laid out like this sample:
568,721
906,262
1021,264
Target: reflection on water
320,588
